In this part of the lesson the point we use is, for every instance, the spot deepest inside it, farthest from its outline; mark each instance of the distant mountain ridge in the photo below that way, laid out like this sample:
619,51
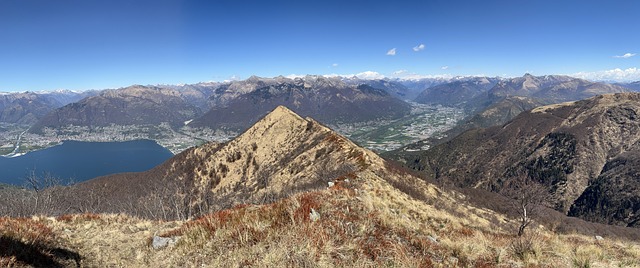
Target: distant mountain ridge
552,88
329,100
28,107
495,101
126,106
635,86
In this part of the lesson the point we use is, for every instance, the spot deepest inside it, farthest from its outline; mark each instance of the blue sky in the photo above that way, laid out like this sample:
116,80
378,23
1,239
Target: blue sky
89,44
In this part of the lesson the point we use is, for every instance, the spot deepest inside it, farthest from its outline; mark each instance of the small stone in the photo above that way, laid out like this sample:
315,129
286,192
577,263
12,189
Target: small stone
599,238
314,215
161,242
331,184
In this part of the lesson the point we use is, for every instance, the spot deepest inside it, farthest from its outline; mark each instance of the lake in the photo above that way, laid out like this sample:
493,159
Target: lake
80,161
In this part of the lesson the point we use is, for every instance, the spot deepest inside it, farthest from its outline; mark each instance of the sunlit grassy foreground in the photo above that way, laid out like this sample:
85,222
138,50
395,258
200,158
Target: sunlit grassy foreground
363,222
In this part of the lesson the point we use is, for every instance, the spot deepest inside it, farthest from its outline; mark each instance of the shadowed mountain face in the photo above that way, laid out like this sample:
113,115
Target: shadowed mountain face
329,100
456,92
614,196
136,105
564,146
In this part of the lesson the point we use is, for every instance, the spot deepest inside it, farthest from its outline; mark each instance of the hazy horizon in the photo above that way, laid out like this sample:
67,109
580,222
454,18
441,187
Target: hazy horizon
81,45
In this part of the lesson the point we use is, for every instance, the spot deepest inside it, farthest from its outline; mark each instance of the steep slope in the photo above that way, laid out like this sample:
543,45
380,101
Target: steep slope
135,105
563,146
328,100
614,196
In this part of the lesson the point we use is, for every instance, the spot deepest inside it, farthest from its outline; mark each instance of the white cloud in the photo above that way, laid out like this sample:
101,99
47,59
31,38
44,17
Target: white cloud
399,72
418,47
618,75
391,52
444,67
404,74
370,75
294,76
625,56
334,65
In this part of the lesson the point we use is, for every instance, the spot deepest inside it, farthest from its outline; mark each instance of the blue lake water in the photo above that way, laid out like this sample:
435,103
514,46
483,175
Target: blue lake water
80,161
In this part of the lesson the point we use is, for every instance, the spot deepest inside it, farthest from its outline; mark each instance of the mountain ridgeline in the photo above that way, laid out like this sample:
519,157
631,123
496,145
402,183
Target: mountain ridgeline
135,105
495,101
26,108
232,105
329,100
572,148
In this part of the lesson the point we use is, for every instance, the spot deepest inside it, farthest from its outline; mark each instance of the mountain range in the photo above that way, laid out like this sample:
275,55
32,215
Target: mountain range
329,100
232,105
290,191
135,105
26,108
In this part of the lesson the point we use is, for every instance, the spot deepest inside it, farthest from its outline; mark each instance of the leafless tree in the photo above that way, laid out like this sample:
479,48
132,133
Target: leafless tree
528,197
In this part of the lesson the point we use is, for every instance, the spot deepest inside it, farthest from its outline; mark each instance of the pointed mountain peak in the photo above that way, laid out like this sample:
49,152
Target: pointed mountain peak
282,111
281,119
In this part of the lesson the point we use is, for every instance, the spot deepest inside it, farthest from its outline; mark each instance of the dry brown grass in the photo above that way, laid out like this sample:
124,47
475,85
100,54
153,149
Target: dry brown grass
28,242
364,222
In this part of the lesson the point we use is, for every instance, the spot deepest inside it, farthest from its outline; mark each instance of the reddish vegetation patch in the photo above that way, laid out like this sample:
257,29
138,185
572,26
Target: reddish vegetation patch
344,230
307,202
78,217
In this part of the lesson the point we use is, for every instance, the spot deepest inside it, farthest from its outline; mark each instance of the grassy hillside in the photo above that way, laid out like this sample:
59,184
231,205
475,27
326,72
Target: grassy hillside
361,221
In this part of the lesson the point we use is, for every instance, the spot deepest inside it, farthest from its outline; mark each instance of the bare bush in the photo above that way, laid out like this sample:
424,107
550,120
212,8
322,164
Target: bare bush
528,199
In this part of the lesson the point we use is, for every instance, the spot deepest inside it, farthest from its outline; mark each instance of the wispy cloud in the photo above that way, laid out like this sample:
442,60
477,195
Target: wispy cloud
625,56
391,52
362,75
618,75
334,65
399,72
370,75
418,47
407,75
444,67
